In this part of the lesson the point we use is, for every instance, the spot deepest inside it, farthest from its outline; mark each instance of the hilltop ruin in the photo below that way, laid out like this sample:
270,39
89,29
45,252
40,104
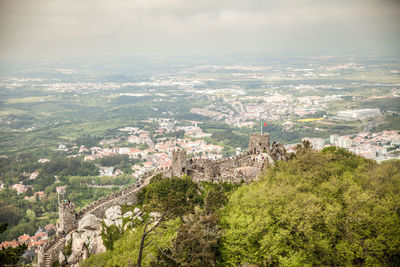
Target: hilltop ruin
244,167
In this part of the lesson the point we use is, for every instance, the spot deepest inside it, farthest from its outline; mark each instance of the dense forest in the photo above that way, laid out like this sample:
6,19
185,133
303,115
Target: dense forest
319,208
25,212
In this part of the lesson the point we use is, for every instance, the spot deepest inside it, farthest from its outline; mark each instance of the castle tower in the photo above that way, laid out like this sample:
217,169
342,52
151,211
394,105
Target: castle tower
259,143
66,217
179,167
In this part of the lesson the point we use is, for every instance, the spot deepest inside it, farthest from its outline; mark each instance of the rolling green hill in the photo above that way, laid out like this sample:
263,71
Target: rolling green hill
319,208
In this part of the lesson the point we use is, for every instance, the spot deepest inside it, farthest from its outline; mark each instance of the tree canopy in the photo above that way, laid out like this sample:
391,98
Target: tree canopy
328,208
320,208
175,196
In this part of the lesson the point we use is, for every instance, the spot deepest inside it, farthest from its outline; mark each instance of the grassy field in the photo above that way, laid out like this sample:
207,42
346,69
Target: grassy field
32,99
310,119
372,76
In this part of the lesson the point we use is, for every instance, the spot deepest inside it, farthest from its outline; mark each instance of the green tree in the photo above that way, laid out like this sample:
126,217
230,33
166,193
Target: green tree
30,214
23,227
11,256
3,227
170,198
9,213
197,241
321,208
214,200
175,196
29,192
110,235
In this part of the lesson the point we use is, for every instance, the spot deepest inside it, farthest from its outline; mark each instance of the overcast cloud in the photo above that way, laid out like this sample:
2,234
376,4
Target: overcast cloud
35,29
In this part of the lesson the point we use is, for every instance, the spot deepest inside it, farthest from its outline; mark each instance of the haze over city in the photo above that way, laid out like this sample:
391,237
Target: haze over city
53,29
199,133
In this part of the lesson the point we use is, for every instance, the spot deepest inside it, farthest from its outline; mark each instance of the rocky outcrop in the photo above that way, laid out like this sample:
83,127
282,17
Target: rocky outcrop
246,173
128,215
86,240
137,215
89,222
278,152
113,213
62,259
113,216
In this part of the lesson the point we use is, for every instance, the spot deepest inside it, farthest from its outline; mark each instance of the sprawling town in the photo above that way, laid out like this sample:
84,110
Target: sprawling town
115,130
199,133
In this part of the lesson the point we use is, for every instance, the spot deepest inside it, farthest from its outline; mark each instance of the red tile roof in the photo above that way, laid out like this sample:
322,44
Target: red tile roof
7,244
37,243
24,238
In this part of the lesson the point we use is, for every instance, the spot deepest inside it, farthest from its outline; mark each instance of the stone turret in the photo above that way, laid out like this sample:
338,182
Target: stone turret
179,165
259,143
67,218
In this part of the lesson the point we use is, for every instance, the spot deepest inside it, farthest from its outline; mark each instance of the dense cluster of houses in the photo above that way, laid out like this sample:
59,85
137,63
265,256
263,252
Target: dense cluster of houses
370,145
377,146
153,154
21,188
242,110
33,242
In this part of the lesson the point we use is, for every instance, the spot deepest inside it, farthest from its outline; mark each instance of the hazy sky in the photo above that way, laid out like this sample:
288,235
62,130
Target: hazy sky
36,29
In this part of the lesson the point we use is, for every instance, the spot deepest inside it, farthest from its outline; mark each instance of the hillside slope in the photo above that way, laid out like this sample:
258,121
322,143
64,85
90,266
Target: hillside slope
320,208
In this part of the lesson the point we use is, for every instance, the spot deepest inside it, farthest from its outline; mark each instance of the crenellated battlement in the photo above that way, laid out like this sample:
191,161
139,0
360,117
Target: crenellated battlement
179,162
234,169
259,134
259,143
67,217
181,165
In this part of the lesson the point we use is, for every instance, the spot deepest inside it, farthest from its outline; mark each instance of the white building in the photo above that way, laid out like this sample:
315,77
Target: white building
20,188
33,175
357,114
106,171
333,138
343,141
136,139
370,151
124,151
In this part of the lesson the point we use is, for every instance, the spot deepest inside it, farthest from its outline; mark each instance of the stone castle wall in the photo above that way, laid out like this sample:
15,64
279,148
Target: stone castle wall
179,162
259,143
243,167
67,218
48,253
221,170
122,197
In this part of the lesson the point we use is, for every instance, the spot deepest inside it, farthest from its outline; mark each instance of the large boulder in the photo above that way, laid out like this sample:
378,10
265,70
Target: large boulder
128,214
128,225
136,211
265,157
74,258
89,222
113,216
155,215
86,240
138,214
113,213
108,222
62,259
118,223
